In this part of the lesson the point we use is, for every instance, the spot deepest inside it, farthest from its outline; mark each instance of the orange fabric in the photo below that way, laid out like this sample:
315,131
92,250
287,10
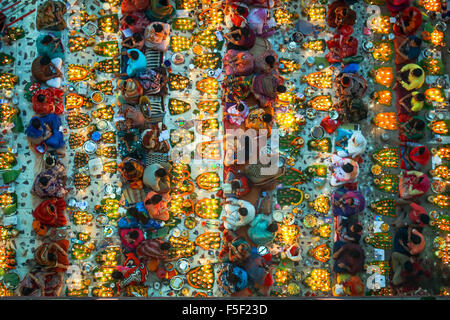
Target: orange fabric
50,105
135,178
40,229
45,216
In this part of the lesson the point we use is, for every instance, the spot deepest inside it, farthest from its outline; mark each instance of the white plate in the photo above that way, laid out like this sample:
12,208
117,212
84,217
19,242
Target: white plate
278,216
183,266
176,283
90,147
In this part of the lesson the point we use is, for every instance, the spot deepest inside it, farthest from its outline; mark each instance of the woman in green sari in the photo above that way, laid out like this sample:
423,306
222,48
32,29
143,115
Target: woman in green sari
50,46
414,128
160,10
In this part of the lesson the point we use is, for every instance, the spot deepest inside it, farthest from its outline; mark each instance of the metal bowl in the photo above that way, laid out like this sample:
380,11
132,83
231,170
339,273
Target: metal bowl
183,266
90,147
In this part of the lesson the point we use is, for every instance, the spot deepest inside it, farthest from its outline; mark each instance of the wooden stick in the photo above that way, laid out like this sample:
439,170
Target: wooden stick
14,4
20,18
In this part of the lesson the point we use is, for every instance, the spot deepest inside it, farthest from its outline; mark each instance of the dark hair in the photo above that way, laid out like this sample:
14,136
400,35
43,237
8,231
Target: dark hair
420,97
417,72
404,76
232,278
424,218
134,55
345,80
26,291
137,36
243,212
357,228
417,41
161,173
235,184
130,20
138,215
415,239
128,166
165,246
117,275
245,31
51,256
236,36
155,199
418,124
241,10
47,39
35,123
44,180
408,266
281,89
158,27
164,2
354,253
40,98
49,160
270,60
348,167
129,137
240,107
133,234
273,227
421,150
267,118
45,60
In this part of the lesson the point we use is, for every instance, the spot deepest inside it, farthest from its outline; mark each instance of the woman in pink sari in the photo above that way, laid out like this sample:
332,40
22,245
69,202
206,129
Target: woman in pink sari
238,63
413,184
259,22
267,63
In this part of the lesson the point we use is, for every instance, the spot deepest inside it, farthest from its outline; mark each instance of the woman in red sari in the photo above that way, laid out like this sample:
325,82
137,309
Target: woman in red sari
53,255
51,212
341,47
395,6
408,22
47,101
340,14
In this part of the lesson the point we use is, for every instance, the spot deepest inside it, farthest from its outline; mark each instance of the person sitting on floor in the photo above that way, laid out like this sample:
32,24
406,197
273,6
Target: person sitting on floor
408,22
156,176
413,184
350,85
410,77
408,241
49,100
157,36
235,251
408,50
417,216
131,238
156,205
352,233
347,203
51,212
239,184
237,213
237,113
413,102
135,41
348,258
413,128
51,183
50,46
238,63
414,158
53,256
138,219
132,6
132,171
350,144
261,231
48,71
136,63
50,16
153,252
240,38
343,170
232,279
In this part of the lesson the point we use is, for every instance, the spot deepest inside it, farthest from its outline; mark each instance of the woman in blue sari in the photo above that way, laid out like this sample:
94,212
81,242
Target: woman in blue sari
232,279
46,129
48,45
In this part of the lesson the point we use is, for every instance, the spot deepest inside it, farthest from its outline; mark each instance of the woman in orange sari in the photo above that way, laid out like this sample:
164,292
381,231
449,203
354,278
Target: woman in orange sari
53,256
132,171
51,212
408,22
47,101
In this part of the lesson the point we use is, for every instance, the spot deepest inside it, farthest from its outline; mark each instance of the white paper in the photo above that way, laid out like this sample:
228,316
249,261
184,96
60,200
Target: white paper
219,35
118,118
380,280
127,33
377,226
218,73
165,135
182,13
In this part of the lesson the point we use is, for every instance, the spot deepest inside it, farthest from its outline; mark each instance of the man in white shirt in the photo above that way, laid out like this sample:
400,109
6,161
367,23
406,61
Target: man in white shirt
237,213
